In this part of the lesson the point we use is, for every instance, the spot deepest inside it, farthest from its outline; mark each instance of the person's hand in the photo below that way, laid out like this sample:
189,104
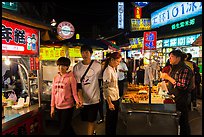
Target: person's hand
111,106
164,76
79,104
52,112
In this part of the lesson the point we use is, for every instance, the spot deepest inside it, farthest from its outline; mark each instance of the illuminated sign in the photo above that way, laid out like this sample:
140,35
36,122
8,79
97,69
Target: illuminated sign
175,12
159,43
120,15
65,30
137,12
173,42
18,39
193,50
140,24
140,4
74,52
136,42
51,53
150,39
166,43
182,24
180,41
190,39
9,5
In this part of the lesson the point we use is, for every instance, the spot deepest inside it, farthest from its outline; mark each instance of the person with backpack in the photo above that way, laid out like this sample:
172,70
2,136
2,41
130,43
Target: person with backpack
179,80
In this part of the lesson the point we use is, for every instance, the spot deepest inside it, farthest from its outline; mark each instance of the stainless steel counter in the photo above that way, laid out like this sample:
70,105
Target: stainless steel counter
13,117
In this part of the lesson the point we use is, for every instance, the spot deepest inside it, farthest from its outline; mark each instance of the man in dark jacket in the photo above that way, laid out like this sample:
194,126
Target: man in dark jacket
178,85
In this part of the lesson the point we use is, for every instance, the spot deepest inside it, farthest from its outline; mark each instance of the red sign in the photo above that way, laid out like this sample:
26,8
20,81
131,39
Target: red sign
150,39
18,39
137,13
37,63
32,63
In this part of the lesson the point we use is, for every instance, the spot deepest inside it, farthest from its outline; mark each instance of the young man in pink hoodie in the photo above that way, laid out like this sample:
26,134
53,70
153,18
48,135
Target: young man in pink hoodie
64,92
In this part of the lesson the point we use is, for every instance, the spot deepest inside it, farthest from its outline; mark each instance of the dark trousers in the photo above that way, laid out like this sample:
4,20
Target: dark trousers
111,118
194,97
65,120
121,87
182,106
101,106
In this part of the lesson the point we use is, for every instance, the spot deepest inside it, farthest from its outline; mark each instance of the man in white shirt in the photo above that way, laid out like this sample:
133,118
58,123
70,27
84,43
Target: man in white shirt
88,87
121,70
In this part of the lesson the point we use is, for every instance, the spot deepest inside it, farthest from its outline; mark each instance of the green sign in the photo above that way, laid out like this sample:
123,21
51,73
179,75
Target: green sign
10,5
183,24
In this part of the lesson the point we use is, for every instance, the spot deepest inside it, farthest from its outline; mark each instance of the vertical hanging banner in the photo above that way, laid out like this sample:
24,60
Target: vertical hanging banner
120,15
37,63
32,63
150,39
137,12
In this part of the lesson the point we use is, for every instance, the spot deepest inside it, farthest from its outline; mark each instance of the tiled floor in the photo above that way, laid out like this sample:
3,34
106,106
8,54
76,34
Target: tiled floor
195,120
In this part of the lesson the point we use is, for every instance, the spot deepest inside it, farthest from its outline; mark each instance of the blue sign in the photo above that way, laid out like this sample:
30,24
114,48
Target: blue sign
175,12
173,42
140,4
166,43
182,41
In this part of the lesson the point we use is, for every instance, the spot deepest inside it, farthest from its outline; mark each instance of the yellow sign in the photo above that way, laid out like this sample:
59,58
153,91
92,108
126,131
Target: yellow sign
74,52
51,53
140,24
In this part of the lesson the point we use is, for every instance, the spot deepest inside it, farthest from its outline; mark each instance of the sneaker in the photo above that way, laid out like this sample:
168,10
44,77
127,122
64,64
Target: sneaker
100,121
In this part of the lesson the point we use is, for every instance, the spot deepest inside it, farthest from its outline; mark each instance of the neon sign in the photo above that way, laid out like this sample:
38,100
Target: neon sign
183,24
175,12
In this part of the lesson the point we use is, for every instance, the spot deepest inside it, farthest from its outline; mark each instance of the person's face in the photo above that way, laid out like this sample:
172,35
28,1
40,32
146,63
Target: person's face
86,54
62,69
115,62
174,59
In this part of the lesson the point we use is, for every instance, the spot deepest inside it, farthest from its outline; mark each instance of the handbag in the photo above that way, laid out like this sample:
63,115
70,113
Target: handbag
86,70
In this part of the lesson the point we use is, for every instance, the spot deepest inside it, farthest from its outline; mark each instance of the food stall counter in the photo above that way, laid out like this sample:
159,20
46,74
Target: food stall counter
23,121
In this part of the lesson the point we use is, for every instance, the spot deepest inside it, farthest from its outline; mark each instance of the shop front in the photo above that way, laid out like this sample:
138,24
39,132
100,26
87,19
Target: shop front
21,88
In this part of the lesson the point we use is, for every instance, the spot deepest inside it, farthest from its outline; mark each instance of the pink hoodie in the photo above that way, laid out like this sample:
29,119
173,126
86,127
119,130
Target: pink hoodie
64,88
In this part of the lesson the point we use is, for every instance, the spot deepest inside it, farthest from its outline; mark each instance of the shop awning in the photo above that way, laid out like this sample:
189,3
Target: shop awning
21,19
110,44
198,41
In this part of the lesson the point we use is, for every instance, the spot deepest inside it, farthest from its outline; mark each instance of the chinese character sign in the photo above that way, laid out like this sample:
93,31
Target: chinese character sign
120,15
150,39
18,39
137,12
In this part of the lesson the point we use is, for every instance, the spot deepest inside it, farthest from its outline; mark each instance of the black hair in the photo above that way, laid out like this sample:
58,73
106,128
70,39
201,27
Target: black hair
178,53
64,61
189,56
114,55
108,54
86,48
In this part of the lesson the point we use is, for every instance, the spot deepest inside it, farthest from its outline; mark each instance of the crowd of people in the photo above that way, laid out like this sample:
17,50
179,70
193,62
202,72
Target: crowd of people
91,84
